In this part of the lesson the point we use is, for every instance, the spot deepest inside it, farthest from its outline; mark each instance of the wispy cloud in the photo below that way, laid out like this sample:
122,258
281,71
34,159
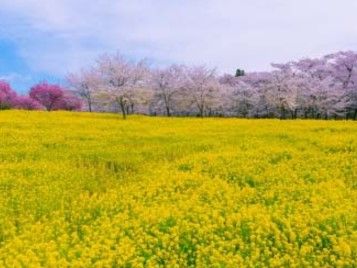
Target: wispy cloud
15,76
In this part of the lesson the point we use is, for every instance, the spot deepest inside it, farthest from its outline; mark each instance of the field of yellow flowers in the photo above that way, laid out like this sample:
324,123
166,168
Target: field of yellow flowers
93,190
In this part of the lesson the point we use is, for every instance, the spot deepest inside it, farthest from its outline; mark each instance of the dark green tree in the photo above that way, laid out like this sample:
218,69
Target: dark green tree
239,72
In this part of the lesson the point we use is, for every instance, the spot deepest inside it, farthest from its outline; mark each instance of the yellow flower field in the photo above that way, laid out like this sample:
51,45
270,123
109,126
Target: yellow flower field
93,190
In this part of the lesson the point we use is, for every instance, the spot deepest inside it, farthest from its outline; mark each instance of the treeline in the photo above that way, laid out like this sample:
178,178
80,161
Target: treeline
42,96
320,88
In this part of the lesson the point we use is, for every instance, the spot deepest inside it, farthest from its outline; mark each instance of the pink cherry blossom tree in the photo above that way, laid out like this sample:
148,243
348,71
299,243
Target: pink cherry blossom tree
7,95
48,95
343,69
202,89
69,102
54,97
86,84
167,85
27,103
123,82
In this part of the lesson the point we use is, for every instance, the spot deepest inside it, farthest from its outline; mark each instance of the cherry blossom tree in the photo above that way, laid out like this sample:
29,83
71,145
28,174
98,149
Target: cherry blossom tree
239,95
27,103
86,84
259,82
48,95
123,81
202,89
244,99
7,95
69,102
167,85
343,69
54,97
282,90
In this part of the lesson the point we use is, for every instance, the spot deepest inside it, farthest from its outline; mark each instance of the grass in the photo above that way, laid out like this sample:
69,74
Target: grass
93,190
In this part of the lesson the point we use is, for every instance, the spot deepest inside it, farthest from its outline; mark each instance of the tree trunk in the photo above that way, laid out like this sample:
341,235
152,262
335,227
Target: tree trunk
282,112
313,113
168,112
200,111
122,107
123,112
90,105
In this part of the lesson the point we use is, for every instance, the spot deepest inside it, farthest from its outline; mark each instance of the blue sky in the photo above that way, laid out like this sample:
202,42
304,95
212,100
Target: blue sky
46,39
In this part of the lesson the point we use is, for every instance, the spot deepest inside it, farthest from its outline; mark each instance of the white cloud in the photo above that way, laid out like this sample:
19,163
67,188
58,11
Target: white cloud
10,77
20,82
59,36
